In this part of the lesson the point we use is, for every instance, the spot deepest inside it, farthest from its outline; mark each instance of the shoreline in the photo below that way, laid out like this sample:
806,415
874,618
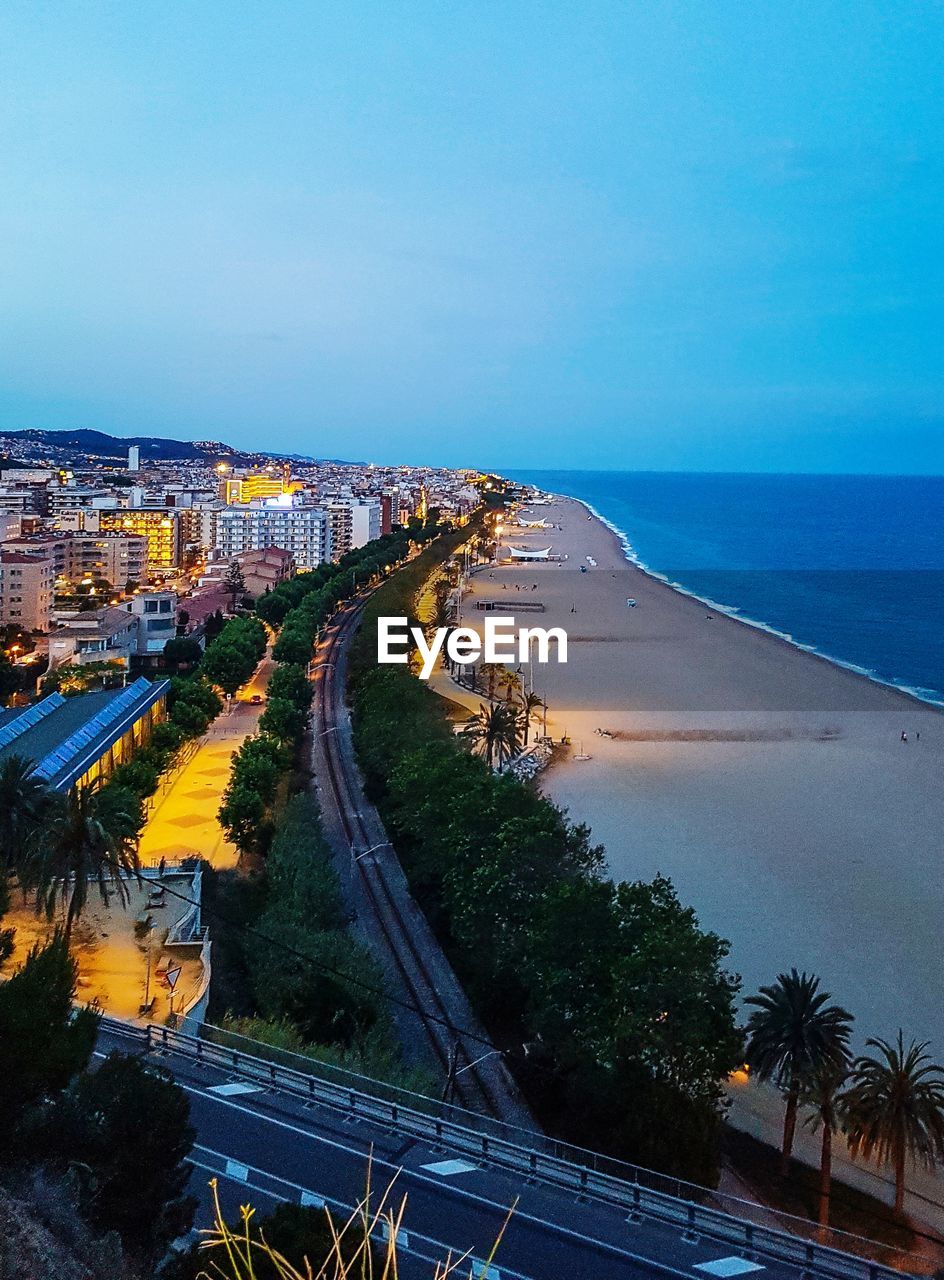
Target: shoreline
917,694
769,782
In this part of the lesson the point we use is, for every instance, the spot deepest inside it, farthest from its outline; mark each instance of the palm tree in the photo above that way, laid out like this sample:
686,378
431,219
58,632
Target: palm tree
894,1108
821,1094
530,704
94,837
491,672
794,1034
25,803
494,730
510,681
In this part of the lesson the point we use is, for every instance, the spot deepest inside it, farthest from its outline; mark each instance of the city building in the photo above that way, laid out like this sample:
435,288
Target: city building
160,526
340,529
94,635
115,558
134,458
256,485
156,615
365,522
77,741
303,531
26,589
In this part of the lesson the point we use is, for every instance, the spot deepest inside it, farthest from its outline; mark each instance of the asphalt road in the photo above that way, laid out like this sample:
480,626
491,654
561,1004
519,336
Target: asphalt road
266,1147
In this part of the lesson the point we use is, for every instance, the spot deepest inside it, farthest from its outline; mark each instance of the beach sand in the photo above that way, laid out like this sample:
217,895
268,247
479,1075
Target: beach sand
771,785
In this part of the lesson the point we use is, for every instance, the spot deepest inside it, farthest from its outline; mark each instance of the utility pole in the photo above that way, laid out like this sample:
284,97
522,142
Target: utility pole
451,1072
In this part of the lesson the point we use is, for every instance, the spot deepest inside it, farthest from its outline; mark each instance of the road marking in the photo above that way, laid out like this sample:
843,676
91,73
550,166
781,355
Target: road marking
482,1271
476,1197
732,1266
312,1201
403,1237
238,1172
447,1168
233,1089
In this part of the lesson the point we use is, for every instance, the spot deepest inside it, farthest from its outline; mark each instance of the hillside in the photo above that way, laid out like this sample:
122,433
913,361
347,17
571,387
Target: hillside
98,444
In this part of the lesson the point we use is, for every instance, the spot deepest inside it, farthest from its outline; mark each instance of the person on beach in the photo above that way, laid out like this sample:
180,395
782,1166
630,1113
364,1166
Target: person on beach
904,736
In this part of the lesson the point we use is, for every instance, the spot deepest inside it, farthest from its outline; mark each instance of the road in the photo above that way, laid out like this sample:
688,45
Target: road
266,1147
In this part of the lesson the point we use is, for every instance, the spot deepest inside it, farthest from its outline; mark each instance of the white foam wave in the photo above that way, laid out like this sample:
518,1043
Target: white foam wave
930,696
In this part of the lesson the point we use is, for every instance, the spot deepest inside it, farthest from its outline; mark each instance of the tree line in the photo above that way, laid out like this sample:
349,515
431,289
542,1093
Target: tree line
317,990
889,1104
614,1007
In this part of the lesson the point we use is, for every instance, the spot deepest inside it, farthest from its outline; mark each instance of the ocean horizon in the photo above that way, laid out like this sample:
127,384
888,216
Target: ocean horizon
849,567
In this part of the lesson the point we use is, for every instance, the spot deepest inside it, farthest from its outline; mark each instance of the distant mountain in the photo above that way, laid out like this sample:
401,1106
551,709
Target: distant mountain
98,444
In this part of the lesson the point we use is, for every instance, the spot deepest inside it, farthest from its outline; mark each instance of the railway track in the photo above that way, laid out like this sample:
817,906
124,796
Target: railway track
459,1059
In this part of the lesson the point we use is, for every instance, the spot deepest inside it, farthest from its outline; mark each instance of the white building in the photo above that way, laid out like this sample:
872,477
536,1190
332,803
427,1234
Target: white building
301,530
134,458
365,522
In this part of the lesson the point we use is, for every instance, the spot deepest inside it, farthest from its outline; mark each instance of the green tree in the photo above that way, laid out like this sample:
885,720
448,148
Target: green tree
283,719
294,644
182,651
93,838
794,1033
233,583
128,1125
494,732
821,1095
894,1108
490,672
44,1041
532,705
25,805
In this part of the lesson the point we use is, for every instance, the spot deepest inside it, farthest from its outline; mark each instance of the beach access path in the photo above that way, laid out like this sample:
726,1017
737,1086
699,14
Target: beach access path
771,785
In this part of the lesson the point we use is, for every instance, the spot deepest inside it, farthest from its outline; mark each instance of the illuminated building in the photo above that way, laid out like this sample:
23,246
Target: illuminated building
78,740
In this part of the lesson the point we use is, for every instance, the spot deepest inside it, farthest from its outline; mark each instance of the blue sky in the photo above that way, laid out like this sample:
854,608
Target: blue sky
652,234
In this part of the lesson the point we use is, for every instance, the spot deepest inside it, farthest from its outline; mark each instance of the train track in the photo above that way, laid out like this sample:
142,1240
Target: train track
458,1058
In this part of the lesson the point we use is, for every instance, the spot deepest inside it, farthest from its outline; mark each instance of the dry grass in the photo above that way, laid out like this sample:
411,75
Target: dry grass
364,1246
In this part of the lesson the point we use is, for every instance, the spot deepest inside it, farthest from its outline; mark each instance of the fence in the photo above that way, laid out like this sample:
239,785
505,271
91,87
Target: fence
641,1193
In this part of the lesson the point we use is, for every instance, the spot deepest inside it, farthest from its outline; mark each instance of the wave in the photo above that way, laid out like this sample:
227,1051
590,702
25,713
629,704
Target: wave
928,696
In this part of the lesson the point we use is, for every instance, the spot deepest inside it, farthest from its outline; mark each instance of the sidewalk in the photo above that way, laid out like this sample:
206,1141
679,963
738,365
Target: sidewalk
183,822
757,1109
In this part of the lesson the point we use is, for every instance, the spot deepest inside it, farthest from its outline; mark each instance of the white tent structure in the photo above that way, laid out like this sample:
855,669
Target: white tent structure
524,553
533,524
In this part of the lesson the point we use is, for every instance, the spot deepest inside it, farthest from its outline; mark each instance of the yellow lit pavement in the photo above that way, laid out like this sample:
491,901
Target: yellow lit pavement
112,959
182,822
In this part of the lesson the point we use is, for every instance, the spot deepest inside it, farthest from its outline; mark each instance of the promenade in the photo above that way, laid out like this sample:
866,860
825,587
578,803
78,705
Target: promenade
182,822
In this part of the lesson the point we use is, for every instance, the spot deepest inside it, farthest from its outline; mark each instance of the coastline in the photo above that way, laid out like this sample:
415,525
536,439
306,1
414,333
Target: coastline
769,782
925,696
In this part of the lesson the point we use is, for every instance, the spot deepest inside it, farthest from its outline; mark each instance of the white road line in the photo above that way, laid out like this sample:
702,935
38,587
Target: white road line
725,1267
448,1168
554,1228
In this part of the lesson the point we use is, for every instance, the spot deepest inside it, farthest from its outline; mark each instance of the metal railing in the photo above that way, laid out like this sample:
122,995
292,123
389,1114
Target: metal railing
641,1193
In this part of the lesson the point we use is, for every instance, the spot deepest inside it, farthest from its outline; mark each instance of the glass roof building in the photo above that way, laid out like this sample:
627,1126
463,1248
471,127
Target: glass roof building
76,741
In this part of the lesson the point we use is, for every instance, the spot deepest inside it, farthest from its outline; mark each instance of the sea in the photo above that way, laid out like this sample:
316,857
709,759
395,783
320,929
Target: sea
848,566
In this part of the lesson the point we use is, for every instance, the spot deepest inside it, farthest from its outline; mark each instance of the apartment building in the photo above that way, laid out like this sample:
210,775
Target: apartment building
365,522
159,527
340,528
116,558
26,589
303,531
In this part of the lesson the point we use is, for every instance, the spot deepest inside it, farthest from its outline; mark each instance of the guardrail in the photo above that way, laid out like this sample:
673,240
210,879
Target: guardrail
590,1175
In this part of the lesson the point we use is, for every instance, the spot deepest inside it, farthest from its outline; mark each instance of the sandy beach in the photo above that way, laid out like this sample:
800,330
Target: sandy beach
771,785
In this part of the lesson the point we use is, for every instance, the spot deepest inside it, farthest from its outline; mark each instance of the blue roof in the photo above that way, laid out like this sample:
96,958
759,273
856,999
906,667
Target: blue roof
65,736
